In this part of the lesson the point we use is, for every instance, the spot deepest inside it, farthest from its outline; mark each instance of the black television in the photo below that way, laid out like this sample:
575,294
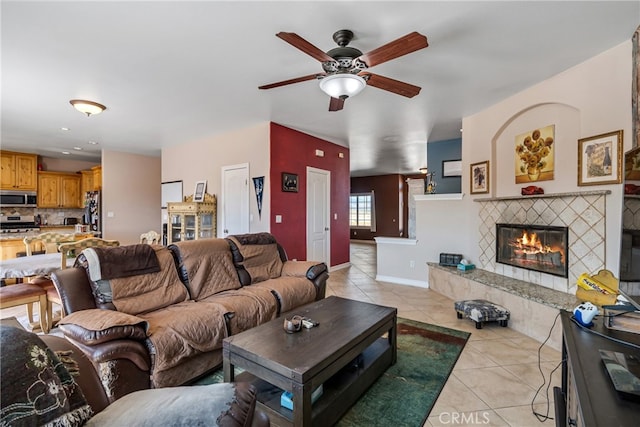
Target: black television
630,237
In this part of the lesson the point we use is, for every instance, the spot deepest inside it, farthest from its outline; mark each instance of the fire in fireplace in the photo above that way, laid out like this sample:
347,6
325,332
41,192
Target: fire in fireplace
533,247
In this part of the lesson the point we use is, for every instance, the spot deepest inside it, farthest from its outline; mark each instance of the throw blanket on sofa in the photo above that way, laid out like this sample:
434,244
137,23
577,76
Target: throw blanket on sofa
41,392
121,261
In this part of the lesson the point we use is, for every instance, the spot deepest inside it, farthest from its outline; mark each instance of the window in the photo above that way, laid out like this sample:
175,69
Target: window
362,211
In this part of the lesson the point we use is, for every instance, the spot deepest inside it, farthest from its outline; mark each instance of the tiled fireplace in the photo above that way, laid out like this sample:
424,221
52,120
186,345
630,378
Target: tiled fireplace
583,214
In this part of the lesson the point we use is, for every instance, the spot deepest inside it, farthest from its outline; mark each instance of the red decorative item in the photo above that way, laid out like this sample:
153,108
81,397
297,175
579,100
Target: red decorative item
531,190
632,189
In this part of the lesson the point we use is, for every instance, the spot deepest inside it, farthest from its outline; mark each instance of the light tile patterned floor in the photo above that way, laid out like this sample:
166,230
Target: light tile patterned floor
497,375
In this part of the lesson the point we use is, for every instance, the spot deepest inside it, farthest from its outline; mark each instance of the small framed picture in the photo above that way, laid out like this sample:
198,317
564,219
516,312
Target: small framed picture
451,168
479,177
600,159
289,182
198,193
632,164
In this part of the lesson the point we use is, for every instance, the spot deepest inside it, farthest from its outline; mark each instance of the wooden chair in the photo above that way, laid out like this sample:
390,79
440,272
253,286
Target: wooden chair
26,294
49,240
67,249
151,237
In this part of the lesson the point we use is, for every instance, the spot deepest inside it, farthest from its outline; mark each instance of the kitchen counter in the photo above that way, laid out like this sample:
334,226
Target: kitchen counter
12,243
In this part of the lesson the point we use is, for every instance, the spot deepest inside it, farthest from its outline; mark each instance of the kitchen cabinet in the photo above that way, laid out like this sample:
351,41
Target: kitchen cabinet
97,178
58,190
191,220
18,171
86,182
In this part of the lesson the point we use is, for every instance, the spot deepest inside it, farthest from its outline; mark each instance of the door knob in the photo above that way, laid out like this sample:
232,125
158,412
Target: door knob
326,229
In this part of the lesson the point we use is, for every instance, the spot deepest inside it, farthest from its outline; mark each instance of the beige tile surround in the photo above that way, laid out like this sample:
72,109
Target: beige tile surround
584,213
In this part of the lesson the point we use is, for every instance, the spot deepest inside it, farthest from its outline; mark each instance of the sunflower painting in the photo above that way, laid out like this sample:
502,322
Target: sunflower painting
534,156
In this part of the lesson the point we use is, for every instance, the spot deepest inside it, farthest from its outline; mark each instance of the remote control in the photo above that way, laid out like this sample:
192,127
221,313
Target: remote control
308,323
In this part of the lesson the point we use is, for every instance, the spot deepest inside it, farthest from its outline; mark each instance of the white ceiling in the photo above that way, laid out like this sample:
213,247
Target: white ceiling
174,72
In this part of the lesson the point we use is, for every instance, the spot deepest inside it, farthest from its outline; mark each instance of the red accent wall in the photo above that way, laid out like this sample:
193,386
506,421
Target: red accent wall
390,217
292,151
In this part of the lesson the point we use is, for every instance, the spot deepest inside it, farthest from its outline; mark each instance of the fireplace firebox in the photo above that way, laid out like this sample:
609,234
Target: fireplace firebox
533,247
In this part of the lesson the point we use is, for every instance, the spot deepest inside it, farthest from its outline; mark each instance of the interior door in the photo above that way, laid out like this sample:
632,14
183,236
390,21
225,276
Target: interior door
318,214
235,199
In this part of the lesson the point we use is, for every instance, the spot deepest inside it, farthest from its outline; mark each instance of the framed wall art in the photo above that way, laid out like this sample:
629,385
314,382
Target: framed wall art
632,164
198,193
290,182
479,177
600,159
451,168
535,155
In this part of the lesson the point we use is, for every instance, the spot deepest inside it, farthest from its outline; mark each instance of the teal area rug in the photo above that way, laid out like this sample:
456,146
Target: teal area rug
405,394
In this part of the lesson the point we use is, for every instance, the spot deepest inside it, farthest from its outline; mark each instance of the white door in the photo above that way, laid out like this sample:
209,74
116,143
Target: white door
235,200
318,215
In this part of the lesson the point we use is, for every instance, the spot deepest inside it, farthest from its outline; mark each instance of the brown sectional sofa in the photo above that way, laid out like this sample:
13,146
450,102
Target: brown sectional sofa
165,326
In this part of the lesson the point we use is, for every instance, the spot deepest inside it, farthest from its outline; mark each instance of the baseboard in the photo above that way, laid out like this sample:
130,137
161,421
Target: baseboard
339,266
402,281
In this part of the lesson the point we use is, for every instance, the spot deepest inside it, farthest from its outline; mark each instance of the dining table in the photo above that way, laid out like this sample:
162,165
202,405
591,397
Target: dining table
33,265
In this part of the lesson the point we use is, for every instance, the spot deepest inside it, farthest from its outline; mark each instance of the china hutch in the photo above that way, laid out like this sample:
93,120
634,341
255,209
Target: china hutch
191,220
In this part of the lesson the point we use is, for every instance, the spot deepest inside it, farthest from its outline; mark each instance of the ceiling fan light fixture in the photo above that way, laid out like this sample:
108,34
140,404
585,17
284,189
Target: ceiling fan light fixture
87,107
342,85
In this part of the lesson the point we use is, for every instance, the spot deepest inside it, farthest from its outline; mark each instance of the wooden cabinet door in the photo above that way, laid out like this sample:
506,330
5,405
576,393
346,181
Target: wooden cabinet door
48,190
87,183
97,178
69,192
7,171
26,172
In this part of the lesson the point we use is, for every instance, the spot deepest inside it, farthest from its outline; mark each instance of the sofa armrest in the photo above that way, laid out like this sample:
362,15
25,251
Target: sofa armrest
316,272
74,289
95,326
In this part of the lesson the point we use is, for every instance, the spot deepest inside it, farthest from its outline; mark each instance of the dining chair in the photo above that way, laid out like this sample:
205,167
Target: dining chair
26,294
151,237
49,241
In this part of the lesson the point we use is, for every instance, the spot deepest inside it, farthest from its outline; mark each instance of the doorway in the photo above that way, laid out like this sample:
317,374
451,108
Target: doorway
318,214
235,200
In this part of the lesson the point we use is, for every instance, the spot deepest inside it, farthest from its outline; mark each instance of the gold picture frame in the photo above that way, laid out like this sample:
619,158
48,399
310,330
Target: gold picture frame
600,159
632,164
479,177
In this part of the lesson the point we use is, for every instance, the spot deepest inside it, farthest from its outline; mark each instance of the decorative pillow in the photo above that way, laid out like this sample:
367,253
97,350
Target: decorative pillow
96,326
224,404
260,255
37,388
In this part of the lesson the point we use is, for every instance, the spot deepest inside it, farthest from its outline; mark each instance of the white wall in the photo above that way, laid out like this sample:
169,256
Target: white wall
589,99
131,191
203,160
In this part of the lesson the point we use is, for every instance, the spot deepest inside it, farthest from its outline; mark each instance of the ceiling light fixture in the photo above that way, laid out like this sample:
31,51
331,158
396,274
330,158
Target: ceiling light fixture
342,85
424,170
87,107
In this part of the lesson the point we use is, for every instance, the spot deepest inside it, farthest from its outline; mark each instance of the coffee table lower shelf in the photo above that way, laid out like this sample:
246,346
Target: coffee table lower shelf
340,391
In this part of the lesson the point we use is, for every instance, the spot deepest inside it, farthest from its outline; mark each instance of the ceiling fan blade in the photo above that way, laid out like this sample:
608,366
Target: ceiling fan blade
296,41
392,85
291,81
402,46
336,104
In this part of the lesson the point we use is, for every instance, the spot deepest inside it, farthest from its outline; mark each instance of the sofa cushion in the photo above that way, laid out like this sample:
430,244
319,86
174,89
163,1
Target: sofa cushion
246,307
224,404
95,326
291,291
206,267
152,291
183,330
260,256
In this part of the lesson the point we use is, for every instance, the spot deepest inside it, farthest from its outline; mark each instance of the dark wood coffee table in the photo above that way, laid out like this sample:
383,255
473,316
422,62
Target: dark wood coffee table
275,361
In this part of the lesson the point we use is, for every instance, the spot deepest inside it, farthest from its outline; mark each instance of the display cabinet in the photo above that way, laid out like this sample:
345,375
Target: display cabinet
191,220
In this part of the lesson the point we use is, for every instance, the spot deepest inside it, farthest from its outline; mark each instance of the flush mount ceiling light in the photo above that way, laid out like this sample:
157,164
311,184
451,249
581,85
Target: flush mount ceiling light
87,107
342,85
424,170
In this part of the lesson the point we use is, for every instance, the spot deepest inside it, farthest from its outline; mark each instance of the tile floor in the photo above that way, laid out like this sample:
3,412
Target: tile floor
497,375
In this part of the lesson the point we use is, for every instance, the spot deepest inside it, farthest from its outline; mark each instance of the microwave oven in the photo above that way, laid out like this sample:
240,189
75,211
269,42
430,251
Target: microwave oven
25,199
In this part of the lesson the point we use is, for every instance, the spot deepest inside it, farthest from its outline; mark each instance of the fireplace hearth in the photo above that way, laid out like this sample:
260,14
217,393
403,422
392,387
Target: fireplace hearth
533,247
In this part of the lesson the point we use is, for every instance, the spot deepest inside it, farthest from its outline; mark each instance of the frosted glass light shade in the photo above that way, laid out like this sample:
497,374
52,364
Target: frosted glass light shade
87,107
342,85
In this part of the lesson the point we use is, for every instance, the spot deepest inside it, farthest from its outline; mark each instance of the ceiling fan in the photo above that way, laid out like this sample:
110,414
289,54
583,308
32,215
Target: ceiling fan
345,67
